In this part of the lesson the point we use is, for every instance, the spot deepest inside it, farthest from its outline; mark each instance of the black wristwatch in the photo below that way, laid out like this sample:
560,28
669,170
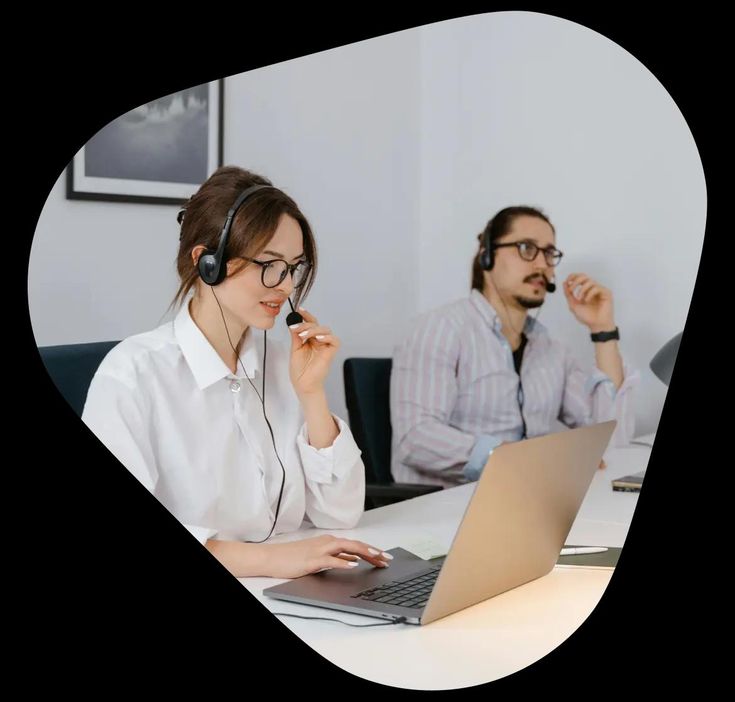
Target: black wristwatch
605,336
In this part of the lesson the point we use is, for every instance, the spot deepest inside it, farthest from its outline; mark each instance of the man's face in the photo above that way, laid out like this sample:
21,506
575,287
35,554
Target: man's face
520,282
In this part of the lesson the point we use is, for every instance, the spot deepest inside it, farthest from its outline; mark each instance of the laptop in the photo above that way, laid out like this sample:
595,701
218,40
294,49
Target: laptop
514,527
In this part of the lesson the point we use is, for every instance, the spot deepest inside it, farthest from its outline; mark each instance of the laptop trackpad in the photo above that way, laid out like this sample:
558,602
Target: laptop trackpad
343,582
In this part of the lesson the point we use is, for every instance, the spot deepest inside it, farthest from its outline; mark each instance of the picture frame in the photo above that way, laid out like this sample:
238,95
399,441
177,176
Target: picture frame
160,152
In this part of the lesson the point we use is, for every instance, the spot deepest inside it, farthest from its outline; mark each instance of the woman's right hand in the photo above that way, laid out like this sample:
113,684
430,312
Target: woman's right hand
298,558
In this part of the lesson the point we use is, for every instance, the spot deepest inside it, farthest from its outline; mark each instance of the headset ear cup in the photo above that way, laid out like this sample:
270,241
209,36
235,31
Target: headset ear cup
210,271
487,258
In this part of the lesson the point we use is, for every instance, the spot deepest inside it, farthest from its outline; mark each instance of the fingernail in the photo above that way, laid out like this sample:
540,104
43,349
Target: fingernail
304,333
353,564
373,551
319,336
302,309
387,555
294,326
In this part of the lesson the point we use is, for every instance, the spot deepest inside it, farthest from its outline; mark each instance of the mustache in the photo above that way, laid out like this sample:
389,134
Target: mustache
536,276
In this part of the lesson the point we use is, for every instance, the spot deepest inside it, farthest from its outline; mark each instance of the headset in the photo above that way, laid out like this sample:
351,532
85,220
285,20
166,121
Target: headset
212,269
212,263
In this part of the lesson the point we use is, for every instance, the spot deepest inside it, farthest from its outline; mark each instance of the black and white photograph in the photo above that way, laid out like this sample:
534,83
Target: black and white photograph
158,152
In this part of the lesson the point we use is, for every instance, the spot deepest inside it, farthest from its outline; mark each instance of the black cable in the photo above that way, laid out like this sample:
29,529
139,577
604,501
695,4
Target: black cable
397,620
524,435
265,416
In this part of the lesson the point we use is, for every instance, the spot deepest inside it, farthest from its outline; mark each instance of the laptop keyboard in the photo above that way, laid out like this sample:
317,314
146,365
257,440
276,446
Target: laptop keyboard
411,592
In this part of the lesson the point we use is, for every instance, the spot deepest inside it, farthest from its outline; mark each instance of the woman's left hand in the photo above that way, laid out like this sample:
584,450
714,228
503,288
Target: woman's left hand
312,349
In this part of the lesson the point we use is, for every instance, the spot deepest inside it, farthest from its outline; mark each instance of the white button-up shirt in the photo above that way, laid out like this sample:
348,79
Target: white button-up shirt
193,433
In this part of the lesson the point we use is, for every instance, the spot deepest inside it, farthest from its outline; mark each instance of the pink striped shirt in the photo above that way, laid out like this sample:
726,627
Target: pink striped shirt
454,393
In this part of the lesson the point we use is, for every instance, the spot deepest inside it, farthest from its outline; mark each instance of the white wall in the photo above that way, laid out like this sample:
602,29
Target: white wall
337,131
398,149
523,108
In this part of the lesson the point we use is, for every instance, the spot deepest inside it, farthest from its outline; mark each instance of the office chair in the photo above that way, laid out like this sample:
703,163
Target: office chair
367,388
72,366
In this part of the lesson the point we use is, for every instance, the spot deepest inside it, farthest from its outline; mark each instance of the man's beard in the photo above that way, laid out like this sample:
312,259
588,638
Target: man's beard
528,303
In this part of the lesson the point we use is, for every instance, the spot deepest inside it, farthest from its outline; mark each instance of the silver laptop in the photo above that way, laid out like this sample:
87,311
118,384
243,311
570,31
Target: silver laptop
513,529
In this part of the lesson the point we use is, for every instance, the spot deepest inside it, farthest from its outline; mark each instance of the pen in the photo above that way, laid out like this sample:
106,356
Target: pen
582,550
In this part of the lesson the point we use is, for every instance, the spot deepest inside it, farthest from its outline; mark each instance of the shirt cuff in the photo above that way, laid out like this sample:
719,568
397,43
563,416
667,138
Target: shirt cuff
484,446
201,534
325,465
630,379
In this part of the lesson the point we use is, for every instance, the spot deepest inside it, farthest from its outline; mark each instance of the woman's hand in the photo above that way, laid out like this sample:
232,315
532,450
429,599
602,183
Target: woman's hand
298,558
312,349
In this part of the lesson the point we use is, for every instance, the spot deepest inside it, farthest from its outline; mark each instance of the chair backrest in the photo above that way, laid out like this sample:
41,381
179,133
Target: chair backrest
72,366
367,393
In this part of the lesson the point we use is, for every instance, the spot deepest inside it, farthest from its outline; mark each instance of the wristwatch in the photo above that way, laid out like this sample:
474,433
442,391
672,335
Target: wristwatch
606,335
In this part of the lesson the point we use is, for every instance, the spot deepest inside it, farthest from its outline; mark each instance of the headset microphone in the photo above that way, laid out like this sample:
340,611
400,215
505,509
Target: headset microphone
293,316
550,285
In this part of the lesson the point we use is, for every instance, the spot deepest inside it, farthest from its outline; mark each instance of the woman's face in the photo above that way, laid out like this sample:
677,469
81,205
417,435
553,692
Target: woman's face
243,296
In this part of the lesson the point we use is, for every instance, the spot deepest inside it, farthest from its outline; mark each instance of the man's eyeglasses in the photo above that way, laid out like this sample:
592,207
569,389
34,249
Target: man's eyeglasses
528,251
274,272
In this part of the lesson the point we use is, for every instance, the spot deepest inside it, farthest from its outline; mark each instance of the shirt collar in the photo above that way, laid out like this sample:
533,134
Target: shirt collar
531,327
205,363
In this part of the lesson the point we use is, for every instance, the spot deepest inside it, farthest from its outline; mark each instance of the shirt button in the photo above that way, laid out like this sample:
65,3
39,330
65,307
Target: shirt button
235,386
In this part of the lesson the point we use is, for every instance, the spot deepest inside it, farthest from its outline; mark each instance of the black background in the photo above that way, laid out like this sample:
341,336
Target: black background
114,587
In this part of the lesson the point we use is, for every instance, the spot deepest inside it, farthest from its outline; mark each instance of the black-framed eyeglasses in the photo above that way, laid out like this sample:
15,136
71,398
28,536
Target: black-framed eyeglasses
528,251
274,272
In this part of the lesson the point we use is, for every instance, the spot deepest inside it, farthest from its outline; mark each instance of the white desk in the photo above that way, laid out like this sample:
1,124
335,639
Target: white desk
486,641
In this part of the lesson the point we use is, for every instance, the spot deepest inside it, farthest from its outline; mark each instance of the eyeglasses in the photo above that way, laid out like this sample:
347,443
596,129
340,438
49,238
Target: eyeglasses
274,272
528,251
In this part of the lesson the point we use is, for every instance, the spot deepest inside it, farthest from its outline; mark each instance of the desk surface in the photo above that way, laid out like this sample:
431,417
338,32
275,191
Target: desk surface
486,641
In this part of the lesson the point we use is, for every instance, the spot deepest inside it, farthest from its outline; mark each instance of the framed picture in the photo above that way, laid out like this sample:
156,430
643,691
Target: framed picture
160,152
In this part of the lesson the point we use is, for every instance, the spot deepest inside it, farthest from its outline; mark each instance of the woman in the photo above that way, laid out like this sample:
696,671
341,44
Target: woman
233,433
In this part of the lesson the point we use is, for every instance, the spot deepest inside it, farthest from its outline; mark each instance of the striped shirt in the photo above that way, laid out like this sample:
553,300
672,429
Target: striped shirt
455,394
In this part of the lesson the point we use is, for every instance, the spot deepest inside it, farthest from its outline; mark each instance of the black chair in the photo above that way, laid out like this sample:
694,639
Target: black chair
367,389
72,366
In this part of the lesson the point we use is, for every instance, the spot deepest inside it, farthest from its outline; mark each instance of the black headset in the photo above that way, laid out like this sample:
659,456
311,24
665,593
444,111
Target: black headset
212,263
487,255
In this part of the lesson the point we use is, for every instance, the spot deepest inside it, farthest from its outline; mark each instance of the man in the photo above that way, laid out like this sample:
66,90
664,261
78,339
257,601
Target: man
480,371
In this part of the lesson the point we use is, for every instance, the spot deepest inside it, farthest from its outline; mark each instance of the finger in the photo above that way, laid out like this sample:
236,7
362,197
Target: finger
582,289
575,280
603,465
312,330
366,552
326,340
579,289
300,327
336,562
308,316
592,293
348,557
295,329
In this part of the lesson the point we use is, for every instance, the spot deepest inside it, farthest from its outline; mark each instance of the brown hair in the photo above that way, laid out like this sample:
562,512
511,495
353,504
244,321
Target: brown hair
496,228
203,216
